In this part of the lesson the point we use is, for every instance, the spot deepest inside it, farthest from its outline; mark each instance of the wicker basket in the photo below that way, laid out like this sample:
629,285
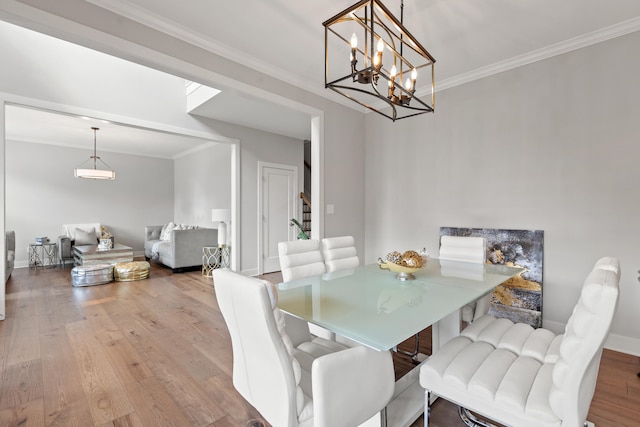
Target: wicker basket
129,271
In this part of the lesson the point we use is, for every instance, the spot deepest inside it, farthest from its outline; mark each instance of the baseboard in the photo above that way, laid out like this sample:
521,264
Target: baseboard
249,272
623,344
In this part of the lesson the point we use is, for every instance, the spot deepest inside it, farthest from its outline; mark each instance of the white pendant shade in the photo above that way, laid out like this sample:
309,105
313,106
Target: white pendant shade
95,173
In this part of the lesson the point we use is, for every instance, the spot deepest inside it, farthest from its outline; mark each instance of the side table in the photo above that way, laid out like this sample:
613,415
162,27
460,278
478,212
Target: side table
214,257
43,255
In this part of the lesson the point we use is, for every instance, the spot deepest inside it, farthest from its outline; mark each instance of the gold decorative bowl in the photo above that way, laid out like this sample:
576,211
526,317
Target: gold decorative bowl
402,273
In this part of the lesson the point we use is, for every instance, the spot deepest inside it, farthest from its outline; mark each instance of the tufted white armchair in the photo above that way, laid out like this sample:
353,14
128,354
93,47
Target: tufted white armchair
297,380
527,377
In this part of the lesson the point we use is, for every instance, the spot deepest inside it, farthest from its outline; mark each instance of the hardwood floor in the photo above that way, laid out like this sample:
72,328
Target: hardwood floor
156,352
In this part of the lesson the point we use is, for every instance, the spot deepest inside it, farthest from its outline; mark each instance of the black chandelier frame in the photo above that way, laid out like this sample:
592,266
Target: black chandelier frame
381,28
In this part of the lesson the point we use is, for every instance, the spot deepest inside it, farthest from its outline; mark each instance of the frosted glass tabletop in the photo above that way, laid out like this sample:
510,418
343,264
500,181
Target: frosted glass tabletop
372,307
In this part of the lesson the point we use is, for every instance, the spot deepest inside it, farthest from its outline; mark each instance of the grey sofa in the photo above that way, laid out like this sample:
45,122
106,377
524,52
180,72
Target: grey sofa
10,244
183,250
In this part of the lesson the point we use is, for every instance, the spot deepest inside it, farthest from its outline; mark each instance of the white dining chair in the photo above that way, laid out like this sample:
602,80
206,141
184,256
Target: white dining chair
520,376
297,381
299,259
339,253
472,250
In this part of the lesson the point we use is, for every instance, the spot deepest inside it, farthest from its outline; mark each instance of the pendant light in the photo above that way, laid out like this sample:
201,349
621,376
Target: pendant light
105,173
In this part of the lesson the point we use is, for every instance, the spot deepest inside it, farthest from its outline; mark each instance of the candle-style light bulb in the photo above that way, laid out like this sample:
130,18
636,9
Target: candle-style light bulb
352,57
414,76
377,58
407,85
392,85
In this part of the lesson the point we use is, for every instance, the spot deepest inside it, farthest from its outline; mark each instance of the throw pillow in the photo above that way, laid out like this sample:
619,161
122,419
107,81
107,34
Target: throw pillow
162,232
166,231
86,237
177,227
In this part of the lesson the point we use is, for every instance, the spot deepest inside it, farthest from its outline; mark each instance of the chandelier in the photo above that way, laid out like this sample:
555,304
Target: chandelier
372,59
94,173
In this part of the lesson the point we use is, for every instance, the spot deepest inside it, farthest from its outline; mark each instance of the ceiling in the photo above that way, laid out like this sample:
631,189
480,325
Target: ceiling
75,132
469,39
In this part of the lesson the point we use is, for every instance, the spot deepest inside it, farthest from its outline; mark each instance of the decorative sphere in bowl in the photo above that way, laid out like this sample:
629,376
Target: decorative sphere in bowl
404,265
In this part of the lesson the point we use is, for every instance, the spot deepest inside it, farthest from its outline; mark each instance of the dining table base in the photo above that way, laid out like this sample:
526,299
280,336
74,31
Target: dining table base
407,403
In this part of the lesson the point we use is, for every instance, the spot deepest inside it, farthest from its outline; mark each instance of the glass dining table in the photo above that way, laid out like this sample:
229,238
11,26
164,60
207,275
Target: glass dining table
372,307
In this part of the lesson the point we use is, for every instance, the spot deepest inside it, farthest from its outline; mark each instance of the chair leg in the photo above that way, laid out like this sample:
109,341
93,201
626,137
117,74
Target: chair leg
427,407
470,420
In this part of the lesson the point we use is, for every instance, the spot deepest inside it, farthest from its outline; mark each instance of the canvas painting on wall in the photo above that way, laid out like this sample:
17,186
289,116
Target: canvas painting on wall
520,298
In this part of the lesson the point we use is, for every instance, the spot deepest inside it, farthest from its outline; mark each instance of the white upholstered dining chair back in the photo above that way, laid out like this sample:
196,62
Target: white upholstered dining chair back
339,253
575,373
461,248
467,249
300,258
265,372
311,382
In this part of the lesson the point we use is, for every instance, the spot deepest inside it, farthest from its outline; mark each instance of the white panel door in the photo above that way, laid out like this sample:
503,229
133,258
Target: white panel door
279,190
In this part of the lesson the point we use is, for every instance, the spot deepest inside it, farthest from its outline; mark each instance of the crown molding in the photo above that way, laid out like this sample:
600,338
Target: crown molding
130,10
143,16
601,35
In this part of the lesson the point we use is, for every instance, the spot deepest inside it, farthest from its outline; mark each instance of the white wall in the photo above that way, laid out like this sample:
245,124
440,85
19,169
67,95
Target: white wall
343,174
202,182
550,146
42,194
258,146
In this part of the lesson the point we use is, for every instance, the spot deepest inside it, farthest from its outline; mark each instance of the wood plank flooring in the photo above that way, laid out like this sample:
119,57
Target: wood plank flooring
156,352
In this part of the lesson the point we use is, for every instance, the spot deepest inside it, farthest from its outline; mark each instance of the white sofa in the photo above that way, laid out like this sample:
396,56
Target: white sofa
181,249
